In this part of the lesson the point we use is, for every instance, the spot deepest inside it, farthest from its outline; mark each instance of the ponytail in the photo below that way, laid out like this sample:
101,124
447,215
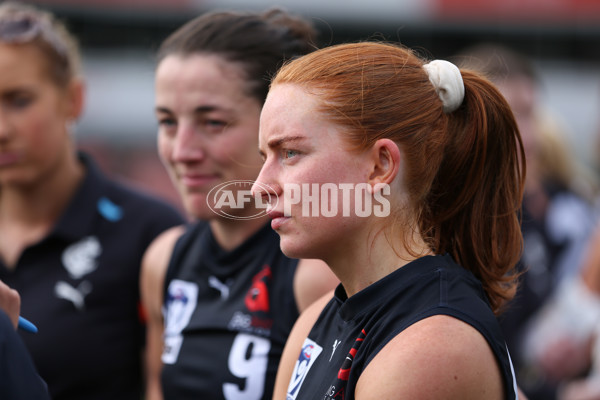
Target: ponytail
475,199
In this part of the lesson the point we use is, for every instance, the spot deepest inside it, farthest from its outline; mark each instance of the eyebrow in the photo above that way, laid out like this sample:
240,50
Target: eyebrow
277,142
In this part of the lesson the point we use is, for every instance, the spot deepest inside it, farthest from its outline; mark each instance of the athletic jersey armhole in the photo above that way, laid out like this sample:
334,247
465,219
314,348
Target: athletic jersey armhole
179,251
497,348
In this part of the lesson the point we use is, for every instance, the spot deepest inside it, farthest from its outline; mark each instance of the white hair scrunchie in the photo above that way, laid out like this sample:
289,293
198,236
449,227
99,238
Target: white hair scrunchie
448,83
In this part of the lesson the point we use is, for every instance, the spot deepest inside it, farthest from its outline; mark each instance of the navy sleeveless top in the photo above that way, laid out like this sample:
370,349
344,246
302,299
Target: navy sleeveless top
227,316
351,331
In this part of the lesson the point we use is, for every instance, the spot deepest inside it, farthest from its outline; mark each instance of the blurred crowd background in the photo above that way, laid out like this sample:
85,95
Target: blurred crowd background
119,38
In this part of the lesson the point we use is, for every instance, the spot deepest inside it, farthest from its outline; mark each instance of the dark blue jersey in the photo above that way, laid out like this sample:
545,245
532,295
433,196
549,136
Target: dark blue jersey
18,378
227,316
80,287
351,331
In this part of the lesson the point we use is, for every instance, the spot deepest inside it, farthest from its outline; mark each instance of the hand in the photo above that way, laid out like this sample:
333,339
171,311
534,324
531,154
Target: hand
565,358
10,302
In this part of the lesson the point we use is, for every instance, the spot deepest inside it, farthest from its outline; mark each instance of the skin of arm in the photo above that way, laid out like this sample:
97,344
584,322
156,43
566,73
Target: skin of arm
439,357
154,268
294,343
313,279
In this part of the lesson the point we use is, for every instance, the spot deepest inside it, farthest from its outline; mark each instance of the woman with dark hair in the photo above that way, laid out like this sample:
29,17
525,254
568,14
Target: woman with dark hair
71,239
230,297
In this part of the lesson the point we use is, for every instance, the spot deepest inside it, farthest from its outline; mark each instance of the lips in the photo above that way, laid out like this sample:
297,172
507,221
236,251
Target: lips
197,180
277,219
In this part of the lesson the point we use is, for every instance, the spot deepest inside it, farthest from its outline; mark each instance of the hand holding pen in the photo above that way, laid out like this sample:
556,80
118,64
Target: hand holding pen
10,302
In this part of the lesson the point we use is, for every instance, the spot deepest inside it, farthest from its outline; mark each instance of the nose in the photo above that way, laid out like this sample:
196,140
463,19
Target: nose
265,185
188,145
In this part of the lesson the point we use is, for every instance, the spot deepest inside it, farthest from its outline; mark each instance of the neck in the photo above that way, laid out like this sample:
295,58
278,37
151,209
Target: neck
42,202
230,233
368,259
29,212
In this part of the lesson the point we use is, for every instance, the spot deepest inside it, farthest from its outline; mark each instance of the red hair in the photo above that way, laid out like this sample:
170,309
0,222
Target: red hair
464,171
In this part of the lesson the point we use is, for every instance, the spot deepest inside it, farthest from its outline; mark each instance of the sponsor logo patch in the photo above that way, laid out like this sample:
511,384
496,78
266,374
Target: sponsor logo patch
182,298
308,355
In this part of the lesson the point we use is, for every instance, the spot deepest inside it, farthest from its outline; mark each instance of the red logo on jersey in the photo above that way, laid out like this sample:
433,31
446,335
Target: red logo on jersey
344,371
257,298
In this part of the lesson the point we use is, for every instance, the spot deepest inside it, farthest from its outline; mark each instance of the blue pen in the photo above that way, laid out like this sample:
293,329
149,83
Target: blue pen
27,326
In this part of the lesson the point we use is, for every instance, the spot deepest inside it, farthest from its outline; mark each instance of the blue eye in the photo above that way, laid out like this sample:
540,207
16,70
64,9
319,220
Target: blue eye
290,153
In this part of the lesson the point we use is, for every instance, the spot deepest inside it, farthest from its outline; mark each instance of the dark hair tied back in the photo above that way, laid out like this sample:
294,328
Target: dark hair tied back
261,43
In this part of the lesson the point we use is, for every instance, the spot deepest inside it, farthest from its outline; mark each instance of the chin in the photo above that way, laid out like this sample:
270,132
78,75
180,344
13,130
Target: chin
199,209
293,249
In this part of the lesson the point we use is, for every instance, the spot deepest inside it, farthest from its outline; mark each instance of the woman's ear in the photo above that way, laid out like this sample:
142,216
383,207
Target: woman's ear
385,156
75,99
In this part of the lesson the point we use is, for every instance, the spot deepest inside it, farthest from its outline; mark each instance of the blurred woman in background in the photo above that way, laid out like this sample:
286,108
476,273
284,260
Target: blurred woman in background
71,240
230,297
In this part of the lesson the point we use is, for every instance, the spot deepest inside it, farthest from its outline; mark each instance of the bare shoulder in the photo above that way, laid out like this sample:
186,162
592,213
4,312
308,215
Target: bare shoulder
154,267
437,357
313,279
293,346
163,244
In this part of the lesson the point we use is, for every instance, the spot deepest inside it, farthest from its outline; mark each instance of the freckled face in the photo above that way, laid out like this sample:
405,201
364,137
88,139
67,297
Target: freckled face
33,117
300,146
208,126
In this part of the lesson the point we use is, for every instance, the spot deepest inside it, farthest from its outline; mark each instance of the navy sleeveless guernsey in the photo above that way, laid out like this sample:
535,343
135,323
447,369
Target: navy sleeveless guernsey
227,316
351,331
